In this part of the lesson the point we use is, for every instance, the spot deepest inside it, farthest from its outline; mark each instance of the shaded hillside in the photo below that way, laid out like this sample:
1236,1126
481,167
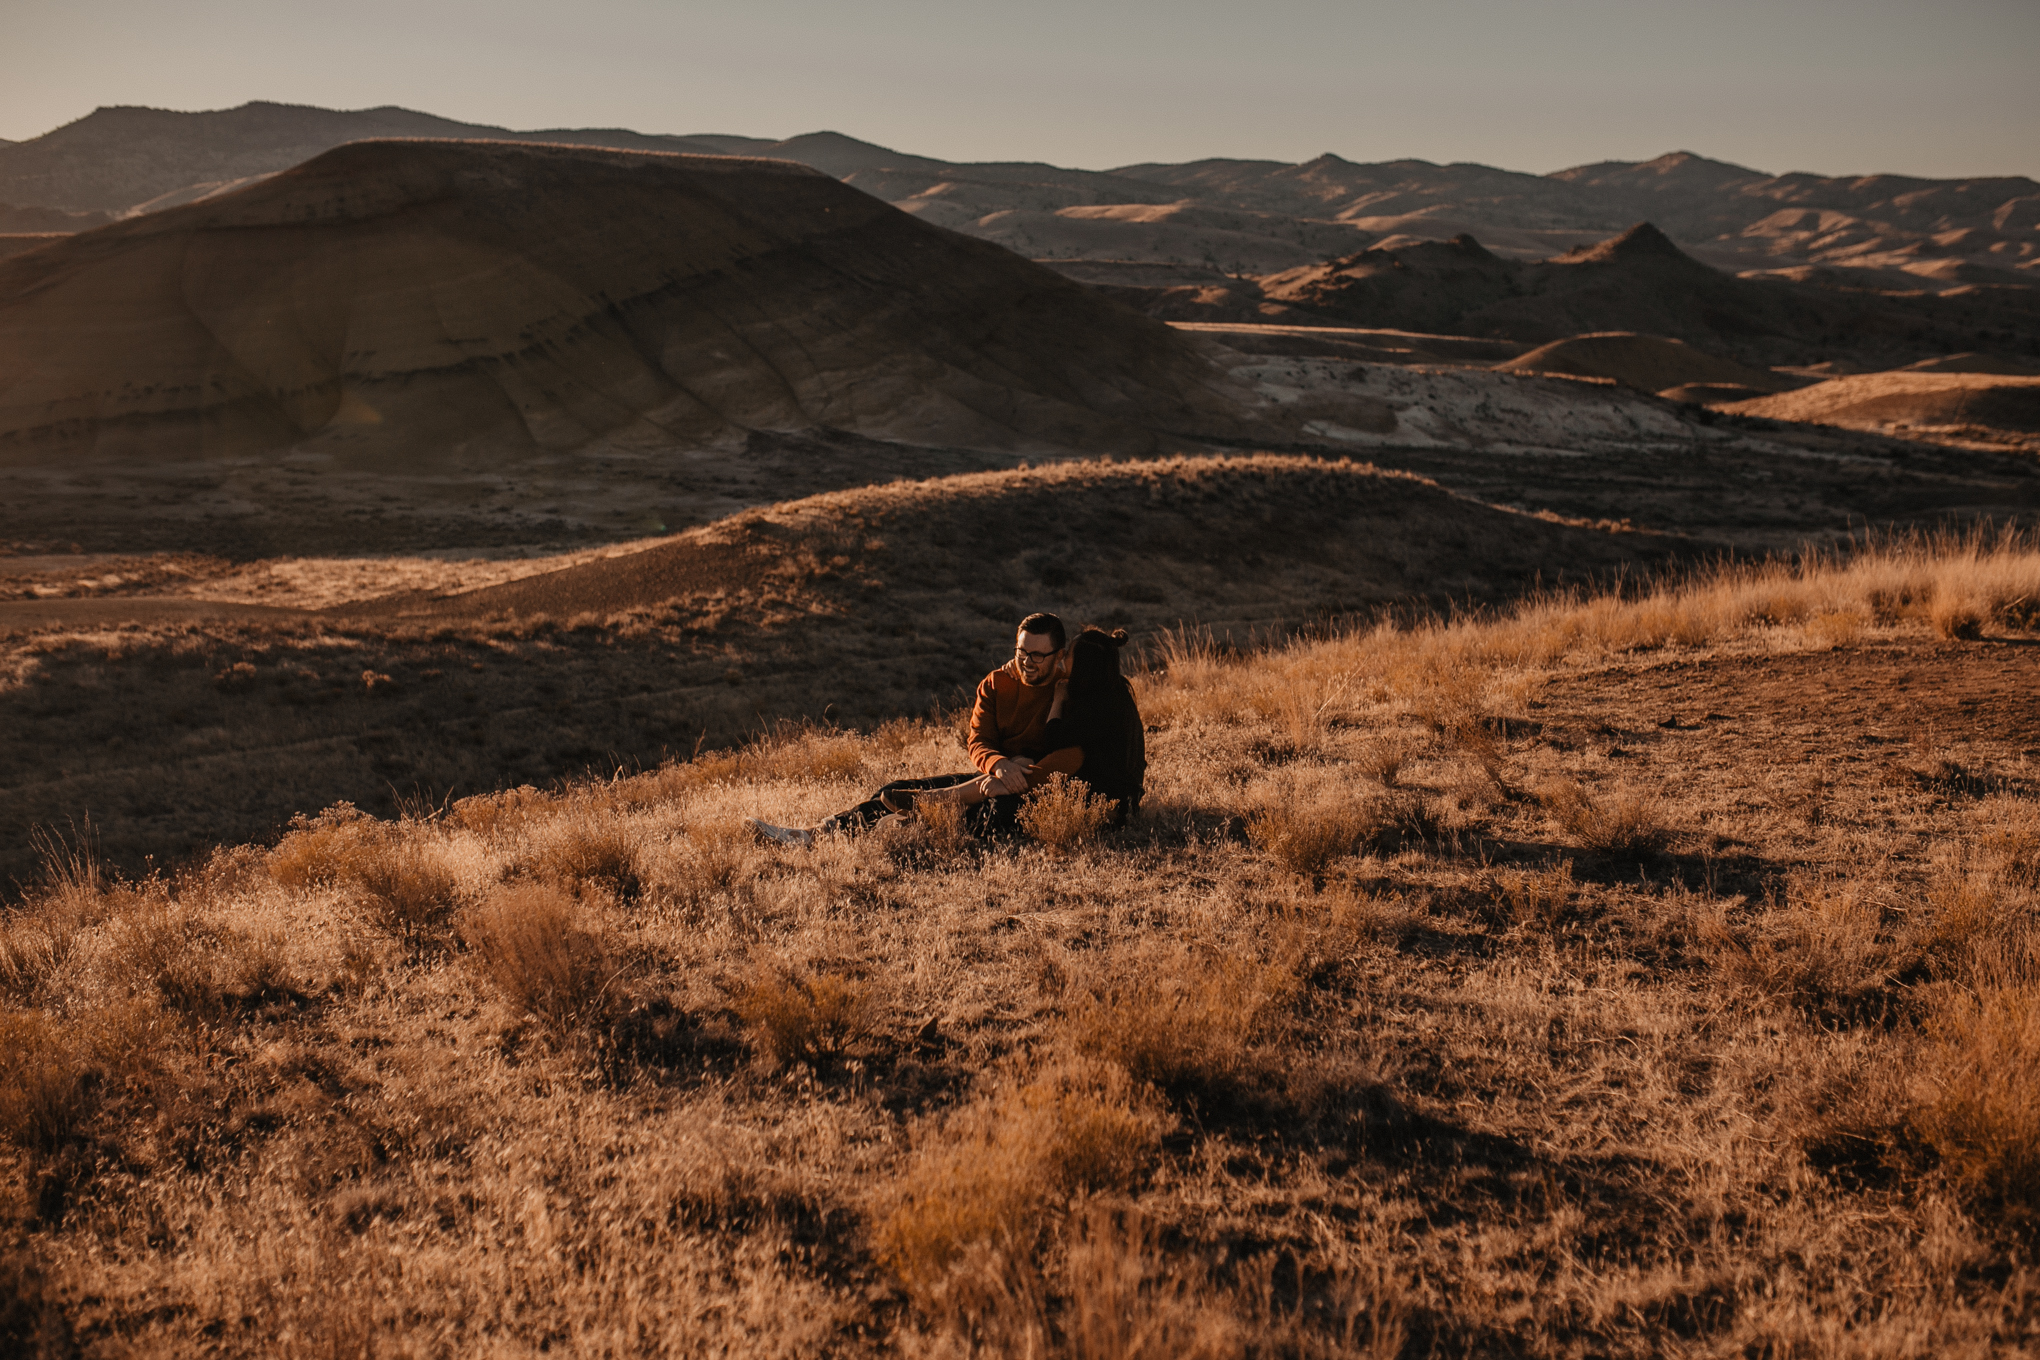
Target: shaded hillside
1641,281
858,606
436,316
1236,542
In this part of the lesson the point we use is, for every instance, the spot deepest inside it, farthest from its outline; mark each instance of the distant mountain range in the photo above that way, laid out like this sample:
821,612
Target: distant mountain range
1213,217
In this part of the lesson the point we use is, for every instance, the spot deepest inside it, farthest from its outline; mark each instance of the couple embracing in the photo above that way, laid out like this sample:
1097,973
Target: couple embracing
1060,706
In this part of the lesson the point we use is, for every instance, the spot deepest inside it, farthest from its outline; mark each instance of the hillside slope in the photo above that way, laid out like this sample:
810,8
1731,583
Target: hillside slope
171,727
448,313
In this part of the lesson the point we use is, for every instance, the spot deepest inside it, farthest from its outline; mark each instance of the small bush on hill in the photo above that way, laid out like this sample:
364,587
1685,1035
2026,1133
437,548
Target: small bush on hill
593,847
532,941
989,1174
1189,1026
1064,814
807,1017
1981,1104
43,1096
1620,821
406,891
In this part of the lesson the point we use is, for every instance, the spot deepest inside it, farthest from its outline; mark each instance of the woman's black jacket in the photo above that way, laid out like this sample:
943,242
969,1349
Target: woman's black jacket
1106,724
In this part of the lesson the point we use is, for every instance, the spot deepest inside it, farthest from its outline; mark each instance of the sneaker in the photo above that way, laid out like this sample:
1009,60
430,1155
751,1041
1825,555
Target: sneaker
780,835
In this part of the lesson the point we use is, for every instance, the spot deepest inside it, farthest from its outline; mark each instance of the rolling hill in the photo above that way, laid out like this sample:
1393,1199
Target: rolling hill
449,323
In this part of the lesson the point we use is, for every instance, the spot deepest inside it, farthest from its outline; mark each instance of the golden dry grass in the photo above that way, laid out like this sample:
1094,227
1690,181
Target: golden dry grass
1345,1047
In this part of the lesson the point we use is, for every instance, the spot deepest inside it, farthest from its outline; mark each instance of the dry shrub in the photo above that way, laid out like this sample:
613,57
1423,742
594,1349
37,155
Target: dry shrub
1620,821
43,1095
322,851
1063,814
530,940
2009,842
1384,758
1306,829
592,847
34,948
198,968
1981,1105
1823,951
1836,627
1541,897
807,1017
1968,908
497,814
1956,616
712,859
406,890
987,1179
1191,1026
806,754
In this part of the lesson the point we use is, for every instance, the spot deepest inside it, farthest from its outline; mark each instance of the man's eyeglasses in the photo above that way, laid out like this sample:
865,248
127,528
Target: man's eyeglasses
1027,657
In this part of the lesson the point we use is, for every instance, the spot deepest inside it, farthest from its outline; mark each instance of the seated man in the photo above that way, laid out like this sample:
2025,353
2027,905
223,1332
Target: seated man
1008,723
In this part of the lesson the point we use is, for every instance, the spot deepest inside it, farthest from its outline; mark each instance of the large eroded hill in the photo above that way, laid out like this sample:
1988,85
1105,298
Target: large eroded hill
416,331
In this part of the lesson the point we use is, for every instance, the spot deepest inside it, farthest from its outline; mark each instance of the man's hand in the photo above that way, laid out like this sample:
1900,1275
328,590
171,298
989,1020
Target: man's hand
1010,774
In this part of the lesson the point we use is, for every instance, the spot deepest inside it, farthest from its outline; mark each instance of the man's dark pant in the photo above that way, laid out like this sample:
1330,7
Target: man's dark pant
996,814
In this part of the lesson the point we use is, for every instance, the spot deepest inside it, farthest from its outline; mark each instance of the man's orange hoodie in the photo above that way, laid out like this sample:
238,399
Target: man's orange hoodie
1009,718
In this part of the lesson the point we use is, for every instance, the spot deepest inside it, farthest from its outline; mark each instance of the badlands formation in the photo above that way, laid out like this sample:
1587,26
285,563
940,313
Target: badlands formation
440,334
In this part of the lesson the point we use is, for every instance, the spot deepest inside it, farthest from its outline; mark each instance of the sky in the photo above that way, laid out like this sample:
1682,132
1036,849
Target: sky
1827,86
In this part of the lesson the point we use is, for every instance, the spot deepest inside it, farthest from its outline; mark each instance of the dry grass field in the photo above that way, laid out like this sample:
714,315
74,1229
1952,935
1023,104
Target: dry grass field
1611,976
175,732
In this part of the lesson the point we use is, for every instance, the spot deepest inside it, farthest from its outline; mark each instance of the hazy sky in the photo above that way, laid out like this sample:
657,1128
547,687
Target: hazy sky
1832,86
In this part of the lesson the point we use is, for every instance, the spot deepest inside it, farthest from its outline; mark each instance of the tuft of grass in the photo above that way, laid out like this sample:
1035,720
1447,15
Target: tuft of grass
1981,1105
197,968
531,941
711,860
1063,814
406,891
322,851
1620,821
990,1174
593,847
43,1094
807,1017
1190,1027
1823,951
1836,627
1306,831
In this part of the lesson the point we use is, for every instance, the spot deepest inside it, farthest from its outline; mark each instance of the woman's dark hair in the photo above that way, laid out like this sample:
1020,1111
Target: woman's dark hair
1045,623
1094,659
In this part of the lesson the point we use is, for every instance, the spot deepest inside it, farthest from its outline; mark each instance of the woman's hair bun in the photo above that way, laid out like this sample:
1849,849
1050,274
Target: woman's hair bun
1119,638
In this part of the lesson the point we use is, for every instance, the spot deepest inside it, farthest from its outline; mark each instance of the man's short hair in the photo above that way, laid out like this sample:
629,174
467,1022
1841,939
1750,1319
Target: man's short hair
1045,623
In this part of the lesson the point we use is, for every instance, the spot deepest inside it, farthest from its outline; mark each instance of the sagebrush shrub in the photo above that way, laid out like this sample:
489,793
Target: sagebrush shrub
324,850
533,942
1619,821
197,967
1063,813
711,860
593,848
1823,951
406,891
807,1017
1193,1025
33,949
43,1095
987,1177
1307,836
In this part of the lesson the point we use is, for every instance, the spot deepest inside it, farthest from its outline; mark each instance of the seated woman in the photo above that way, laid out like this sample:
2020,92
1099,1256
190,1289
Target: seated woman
1094,734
